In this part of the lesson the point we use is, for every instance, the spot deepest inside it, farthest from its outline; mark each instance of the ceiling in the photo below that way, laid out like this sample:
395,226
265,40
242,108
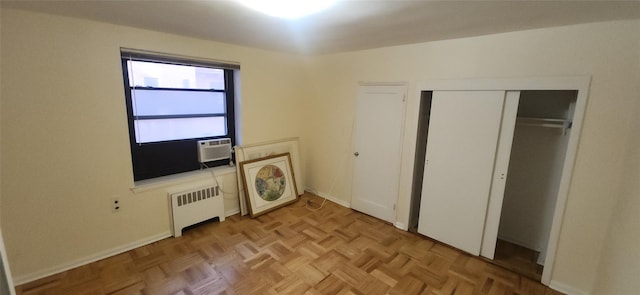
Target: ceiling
349,25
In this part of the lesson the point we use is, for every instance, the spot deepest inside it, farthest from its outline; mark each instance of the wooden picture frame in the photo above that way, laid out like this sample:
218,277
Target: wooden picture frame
264,149
269,183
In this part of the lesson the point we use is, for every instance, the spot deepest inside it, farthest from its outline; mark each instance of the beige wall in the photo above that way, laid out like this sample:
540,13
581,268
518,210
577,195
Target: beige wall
64,133
620,264
4,276
65,137
602,50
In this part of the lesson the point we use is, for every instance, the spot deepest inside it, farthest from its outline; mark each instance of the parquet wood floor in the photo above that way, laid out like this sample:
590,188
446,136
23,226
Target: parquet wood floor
293,250
518,259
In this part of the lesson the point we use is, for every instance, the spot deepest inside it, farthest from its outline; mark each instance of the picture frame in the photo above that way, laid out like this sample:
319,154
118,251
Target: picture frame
263,149
269,183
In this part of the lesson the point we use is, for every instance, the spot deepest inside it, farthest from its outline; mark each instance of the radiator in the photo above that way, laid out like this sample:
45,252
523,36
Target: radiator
194,206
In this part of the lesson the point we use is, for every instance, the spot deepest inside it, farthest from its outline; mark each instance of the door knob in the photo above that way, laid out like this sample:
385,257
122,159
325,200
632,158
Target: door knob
356,154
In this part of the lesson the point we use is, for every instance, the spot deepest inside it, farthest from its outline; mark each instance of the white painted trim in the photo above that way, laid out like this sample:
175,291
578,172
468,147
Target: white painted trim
401,226
5,265
565,181
258,144
89,259
508,84
412,109
369,83
566,289
579,83
231,212
330,198
403,127
181,178
343,203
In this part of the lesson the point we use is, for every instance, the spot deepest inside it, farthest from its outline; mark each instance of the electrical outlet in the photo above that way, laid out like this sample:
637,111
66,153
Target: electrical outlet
116,205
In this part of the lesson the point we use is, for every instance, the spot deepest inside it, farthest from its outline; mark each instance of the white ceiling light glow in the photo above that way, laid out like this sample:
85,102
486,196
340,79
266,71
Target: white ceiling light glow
290,9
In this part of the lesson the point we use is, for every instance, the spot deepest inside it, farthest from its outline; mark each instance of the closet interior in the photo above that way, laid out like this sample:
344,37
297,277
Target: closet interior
418,166
540,139
535,166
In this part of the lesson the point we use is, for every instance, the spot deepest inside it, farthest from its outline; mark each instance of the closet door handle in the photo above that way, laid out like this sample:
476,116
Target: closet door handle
356,154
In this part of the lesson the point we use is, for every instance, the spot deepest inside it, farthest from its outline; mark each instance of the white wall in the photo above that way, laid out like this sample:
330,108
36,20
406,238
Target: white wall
6,281
6,284
535,169
602,50
64,92
619,268
65,137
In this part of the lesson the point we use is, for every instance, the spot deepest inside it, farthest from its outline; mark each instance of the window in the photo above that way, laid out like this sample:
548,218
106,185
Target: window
172,102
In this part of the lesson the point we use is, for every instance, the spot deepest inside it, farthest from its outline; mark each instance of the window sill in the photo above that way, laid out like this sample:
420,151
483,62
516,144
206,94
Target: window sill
176,179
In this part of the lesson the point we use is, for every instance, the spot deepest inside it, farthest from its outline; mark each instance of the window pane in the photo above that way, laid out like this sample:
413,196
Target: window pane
174,129
168,102
152,74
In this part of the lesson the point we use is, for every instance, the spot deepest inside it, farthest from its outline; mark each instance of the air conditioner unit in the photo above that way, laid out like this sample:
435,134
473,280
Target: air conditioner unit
214,149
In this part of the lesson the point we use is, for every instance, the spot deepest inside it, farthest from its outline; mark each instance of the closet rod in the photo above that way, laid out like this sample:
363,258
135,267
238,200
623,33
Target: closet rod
545,122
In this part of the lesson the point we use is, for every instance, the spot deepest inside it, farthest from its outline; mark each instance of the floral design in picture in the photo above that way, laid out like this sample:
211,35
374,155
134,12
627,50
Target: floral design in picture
270,183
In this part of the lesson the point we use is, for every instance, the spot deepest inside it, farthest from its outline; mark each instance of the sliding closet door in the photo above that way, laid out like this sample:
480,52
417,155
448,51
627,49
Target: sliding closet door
461,149
500,172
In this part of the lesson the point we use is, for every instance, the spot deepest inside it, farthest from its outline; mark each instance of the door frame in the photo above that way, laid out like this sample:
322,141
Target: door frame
401,142
8,279
579,83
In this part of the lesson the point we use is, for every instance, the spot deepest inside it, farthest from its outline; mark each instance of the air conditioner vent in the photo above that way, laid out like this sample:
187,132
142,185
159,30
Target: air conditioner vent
214,149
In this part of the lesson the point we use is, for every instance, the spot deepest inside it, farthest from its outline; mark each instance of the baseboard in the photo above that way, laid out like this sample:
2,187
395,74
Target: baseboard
328,197
343,203
231,212
20,280
541,258
566,289
5,272
401,226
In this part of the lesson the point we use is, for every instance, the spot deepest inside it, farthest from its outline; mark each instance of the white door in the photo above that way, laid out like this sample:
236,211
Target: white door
461,148
500,172
377,149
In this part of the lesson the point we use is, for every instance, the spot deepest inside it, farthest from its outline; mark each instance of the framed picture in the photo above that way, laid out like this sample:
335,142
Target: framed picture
268,183
264,149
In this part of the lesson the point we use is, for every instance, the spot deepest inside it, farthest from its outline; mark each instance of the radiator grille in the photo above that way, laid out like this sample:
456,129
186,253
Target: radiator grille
197,195
194,206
